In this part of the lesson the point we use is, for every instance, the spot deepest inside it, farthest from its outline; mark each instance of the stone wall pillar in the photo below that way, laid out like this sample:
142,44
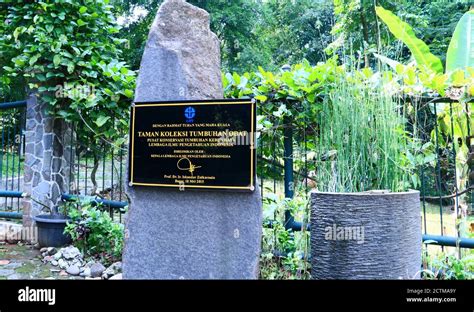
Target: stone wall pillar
47,158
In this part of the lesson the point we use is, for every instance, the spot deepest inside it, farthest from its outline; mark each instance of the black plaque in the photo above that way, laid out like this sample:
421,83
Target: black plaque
193,144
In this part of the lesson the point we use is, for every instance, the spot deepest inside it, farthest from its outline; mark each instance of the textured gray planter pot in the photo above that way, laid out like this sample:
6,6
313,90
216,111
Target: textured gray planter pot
371,235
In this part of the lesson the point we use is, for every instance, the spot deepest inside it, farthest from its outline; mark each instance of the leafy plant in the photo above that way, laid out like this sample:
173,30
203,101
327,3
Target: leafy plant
460,53
94,232
49,45
448,267
287,99
428,79
404,32
284,252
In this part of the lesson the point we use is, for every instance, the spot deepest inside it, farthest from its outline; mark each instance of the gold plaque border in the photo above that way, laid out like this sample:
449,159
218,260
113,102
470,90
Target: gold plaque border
251,187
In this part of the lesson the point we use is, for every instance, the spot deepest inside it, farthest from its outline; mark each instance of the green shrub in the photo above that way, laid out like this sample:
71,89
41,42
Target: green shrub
69,51
448,267
94,232
284,252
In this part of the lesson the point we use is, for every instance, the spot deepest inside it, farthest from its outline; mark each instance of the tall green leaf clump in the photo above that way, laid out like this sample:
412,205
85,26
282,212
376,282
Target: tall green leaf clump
461,48
404,32
362,141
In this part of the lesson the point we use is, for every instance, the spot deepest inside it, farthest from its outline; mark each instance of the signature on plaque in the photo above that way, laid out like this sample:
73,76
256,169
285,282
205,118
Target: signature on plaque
182,166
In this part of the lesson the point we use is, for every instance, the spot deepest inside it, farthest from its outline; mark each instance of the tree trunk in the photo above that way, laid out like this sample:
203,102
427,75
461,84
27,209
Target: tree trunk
365,33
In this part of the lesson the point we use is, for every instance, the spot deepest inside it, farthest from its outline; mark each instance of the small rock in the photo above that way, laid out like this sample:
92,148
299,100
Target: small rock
36,246
116,277
86,273
77,262
62,263
73,270
107,274
54,262
71,252
51,251
44,249
97,269
4,262
89,263
63,273
48,258
6,272
44,254
57,256
118,266
13,265
112,270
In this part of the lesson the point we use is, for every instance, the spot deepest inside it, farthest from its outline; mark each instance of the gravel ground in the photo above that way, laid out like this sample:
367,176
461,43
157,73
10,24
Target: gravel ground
23,261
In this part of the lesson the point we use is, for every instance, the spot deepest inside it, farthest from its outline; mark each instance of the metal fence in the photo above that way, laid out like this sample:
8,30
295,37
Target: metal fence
12,147
446,186
443,200
98,168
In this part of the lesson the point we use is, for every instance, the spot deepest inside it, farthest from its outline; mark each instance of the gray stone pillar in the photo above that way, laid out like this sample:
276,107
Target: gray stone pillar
47,154
188,234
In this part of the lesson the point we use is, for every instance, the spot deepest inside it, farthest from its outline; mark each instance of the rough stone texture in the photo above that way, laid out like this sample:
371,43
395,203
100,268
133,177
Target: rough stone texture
86,272
73,270
392,236
46,158
71,253
116,277
96,269
189,234
182,56
112,270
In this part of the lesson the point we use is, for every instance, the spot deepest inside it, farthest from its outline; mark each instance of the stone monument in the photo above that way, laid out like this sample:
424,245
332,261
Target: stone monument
190,234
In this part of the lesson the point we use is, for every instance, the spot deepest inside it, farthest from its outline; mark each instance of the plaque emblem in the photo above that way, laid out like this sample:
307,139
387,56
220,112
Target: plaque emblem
190,113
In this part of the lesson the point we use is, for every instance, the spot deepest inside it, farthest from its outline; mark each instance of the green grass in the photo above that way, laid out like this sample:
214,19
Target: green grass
9,165
433,224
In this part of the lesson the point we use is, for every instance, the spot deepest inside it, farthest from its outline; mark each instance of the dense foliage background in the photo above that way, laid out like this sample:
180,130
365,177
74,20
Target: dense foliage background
272,33
276,32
